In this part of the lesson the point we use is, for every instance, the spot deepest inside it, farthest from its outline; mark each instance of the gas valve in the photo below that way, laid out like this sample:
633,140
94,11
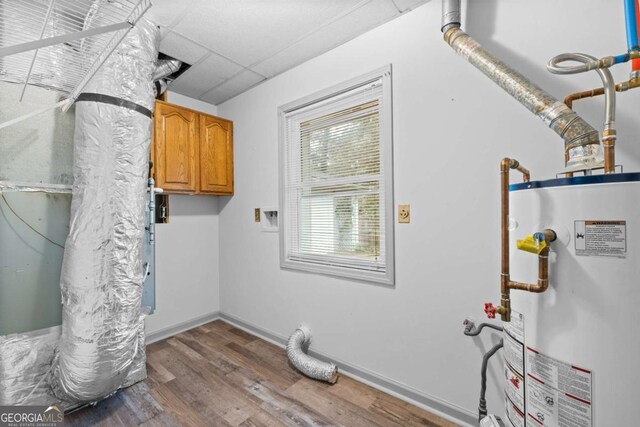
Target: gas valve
533,243
490,310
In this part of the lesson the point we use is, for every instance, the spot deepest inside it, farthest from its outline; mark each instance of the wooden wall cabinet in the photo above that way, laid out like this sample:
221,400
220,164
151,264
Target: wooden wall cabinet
192,152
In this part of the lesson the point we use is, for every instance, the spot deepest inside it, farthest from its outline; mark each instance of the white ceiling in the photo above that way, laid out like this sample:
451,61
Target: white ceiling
233,45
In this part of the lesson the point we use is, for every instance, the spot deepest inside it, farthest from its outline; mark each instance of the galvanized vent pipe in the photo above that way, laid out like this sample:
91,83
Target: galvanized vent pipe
582,144
306,364
609,88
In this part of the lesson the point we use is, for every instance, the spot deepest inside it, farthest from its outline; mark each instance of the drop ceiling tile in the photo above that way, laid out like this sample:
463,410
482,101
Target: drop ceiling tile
232,87
336,33
405,5
175,45
187,87
250,31
167,12
204,75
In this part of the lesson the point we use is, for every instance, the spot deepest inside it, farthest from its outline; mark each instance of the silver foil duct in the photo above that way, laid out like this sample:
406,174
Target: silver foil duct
306,364
102,343
165,68
12,186
25,361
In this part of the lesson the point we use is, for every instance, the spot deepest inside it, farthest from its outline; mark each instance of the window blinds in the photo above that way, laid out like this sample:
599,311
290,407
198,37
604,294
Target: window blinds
334,191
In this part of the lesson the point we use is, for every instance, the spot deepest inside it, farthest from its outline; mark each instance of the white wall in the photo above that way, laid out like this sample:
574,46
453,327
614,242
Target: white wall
187,260
451,128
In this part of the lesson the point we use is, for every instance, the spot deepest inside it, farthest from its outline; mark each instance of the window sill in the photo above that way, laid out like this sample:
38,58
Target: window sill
386,279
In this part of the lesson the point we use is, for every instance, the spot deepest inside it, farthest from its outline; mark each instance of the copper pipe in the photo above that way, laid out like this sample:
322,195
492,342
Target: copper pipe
609,143
505,167
620,87
504,309
580,95
514,164
566,159
505,305
543,276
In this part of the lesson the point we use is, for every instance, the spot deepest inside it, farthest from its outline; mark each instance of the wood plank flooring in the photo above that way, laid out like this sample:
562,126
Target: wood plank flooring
218,375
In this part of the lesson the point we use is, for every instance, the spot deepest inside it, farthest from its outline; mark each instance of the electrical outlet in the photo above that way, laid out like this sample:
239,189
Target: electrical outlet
256,214
404,214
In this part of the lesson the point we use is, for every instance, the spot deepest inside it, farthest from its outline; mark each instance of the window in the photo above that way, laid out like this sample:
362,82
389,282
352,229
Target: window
336,187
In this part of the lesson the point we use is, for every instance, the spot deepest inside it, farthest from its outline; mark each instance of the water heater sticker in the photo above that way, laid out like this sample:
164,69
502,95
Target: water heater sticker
514,382
514,415
601,238
516,326
513,339
514,353
514,387
558,393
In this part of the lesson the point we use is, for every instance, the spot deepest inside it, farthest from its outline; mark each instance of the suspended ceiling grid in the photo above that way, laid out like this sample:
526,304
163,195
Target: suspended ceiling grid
235,45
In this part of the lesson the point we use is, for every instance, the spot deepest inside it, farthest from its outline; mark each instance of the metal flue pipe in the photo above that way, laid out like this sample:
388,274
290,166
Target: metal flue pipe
609,90
450,15
581,140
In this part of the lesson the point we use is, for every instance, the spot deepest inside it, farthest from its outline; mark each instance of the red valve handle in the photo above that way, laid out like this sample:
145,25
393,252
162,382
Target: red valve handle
490,310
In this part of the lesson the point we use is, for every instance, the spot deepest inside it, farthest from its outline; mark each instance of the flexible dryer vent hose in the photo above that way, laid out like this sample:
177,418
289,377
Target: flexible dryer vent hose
306,364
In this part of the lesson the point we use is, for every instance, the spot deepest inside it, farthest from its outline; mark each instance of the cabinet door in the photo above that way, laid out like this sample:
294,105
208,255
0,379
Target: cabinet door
216,155
175,148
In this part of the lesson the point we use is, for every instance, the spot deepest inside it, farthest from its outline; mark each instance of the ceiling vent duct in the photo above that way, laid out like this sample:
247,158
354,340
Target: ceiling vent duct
165,68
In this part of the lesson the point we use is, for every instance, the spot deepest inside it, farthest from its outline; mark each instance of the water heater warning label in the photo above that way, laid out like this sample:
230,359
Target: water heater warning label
601,238
558,393
514,381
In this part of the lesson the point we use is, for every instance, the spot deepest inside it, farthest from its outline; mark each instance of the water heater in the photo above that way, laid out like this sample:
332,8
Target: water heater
571,353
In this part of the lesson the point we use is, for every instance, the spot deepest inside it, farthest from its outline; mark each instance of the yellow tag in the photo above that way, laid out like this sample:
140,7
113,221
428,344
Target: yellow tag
529,244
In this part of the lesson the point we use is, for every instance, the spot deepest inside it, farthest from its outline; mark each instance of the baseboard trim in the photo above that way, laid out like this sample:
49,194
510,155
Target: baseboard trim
432,404
181,327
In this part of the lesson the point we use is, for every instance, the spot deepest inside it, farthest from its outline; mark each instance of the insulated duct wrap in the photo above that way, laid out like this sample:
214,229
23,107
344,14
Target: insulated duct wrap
102,343
165,68
306,364
25,361
582,142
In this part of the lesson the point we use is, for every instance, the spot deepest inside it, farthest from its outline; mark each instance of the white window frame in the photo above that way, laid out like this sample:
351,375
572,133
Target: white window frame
387,277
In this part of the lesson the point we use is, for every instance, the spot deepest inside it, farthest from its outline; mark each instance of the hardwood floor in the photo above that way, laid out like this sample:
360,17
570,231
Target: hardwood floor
218,375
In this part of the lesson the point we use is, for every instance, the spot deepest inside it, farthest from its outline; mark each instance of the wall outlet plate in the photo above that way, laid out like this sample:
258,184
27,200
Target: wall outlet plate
269,219
256,214
404,214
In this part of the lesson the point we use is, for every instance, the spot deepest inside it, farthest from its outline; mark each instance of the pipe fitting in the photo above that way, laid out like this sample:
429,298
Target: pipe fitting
609,143
450,15
549,235
514,164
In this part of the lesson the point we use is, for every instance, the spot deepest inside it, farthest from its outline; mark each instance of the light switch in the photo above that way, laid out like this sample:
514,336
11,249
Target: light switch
256,215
